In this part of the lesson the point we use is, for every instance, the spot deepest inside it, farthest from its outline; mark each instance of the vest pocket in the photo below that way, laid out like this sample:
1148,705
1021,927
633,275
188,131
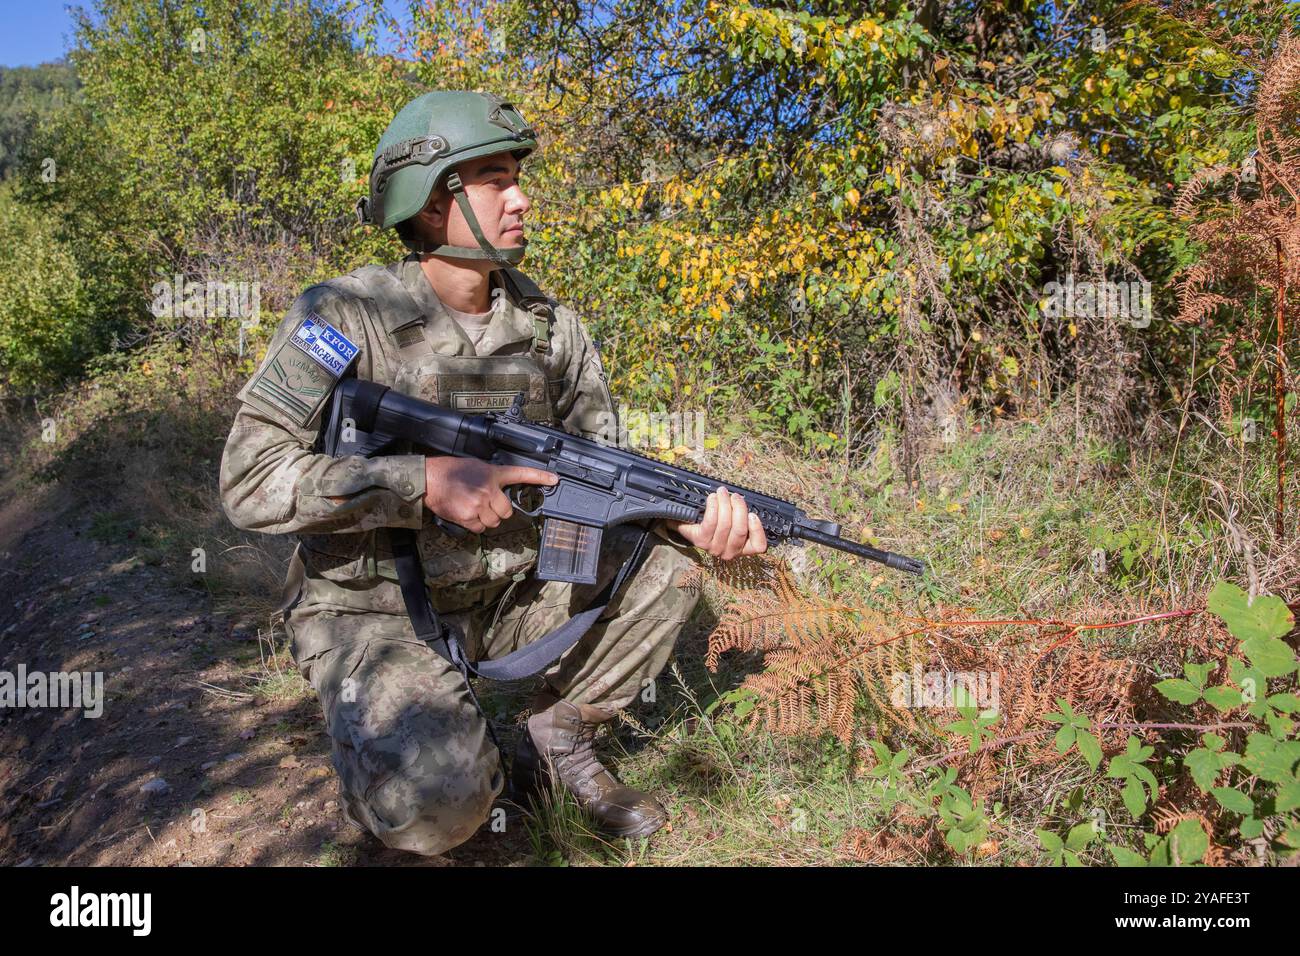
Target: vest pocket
494,555
336,557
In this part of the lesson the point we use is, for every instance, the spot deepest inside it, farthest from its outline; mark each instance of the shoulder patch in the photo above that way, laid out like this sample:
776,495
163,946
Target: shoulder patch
301,374
329,347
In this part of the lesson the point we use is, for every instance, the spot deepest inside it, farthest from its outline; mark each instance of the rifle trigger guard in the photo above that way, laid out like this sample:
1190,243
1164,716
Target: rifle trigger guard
516,495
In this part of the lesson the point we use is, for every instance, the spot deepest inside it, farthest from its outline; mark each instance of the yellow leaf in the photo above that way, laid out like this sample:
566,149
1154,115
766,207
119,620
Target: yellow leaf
663,258
853,196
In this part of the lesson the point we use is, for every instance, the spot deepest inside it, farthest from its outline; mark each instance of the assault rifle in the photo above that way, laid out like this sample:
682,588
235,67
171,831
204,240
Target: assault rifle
599,486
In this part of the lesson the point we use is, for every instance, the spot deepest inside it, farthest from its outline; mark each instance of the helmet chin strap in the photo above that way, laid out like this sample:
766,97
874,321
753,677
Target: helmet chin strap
502,257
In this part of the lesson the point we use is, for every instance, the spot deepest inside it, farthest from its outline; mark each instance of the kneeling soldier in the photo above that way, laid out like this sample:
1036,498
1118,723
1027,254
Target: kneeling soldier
453,323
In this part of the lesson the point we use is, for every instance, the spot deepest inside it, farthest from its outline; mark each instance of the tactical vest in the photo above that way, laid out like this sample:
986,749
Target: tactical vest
460,572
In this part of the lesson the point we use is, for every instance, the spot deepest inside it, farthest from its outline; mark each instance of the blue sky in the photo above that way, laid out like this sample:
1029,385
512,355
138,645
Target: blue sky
37,31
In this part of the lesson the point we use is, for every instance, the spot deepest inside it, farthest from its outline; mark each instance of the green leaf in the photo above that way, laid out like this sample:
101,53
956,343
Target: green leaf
1270,656
1188,841
1270,759
1204,766
1252,683
1065,738
1049,841
1126,857
1287,703
1198,674
1251,828
1234,800
1090,748
1160,854
1135,798
1179,691
1080,836
1267,617
1288,797
1223,697
1279,725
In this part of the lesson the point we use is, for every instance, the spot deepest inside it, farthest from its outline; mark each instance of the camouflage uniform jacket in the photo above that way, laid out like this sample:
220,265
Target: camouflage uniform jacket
272,481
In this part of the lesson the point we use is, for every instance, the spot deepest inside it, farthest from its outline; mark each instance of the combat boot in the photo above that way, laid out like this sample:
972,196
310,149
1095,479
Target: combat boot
560,742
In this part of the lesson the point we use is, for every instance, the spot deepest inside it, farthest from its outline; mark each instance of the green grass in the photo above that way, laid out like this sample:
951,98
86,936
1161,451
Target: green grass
332,854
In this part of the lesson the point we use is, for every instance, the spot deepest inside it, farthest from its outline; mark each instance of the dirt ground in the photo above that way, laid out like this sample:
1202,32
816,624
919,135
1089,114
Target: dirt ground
246,776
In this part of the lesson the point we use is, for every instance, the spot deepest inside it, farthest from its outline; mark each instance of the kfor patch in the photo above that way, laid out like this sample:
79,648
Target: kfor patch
324,343
298,378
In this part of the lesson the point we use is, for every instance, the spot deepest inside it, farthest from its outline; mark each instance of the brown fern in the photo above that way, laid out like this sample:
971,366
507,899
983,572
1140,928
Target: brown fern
1251,235
819,657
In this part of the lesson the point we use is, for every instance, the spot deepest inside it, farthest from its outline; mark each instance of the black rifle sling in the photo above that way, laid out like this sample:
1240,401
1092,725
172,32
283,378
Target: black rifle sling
525,662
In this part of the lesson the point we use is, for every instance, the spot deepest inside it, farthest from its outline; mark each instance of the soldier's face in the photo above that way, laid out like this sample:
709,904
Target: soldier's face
497,198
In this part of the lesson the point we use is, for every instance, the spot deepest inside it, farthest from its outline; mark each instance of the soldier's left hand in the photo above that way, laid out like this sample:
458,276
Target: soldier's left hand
727,529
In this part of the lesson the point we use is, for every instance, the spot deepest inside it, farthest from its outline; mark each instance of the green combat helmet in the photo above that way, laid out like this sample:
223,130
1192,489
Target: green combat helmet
424,142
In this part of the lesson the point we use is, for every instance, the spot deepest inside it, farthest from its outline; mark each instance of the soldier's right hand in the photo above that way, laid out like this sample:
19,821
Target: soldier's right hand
468,492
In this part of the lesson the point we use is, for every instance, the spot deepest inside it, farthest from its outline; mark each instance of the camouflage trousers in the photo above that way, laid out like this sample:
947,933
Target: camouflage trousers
413,755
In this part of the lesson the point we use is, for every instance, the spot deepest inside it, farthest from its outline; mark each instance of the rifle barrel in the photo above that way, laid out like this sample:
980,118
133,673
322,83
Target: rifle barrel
898,562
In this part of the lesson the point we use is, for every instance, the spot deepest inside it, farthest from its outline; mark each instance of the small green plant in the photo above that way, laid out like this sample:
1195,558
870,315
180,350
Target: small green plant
1065,852
1260,785
1075,732
974,723
962,820
331,854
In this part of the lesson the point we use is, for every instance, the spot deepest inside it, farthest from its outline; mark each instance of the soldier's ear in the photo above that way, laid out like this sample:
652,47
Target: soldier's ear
438,206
